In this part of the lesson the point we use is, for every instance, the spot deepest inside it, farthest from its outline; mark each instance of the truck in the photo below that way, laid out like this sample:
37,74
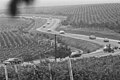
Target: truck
108,49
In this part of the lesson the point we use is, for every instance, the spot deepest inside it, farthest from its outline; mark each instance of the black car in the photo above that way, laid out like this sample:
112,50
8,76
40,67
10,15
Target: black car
118,42
44,26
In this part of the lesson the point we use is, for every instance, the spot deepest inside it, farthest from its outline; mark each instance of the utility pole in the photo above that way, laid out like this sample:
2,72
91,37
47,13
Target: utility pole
55,46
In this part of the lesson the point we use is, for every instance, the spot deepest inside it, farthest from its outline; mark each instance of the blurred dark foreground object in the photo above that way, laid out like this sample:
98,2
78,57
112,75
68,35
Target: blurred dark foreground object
13,6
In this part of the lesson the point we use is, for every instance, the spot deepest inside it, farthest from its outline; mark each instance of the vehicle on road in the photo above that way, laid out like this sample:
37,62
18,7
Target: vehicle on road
62,32
13,60
92,37
118,42
116,47
106,40
108,49
76,54
49,30
48,22
44,26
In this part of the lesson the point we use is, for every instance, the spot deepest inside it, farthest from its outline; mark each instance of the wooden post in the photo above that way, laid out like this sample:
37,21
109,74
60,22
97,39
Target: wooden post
6,73
16,70
70,69
50,71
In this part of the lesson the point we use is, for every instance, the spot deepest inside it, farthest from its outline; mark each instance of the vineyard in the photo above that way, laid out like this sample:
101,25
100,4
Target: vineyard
101,17
7,24
19,38
84,13
85,46
38,22
104,68
14,44
23,24
17,41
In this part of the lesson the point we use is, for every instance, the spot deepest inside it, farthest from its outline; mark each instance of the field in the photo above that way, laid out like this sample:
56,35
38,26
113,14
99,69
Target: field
14,44
86,46
22,24
83,45
37,24
20,39
17,38
100,18
7,24
104,68
96,13
86,31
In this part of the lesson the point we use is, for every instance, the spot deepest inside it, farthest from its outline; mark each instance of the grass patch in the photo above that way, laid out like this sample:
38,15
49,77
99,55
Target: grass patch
86,46
103,34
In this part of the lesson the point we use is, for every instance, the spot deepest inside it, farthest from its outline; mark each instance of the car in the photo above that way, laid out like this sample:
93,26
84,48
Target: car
12,61
106,40
48,22
49,30
92,37
118,42
75,54
44,26
62,32
109,49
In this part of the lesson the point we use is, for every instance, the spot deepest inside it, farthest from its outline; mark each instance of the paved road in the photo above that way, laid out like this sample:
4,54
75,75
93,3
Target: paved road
99,53
55,23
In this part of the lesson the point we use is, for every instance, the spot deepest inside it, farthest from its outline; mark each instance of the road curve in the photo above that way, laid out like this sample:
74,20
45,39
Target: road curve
55,23
99,53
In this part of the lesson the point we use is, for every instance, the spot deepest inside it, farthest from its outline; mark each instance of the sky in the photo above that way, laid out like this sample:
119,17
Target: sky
38,3
73,2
